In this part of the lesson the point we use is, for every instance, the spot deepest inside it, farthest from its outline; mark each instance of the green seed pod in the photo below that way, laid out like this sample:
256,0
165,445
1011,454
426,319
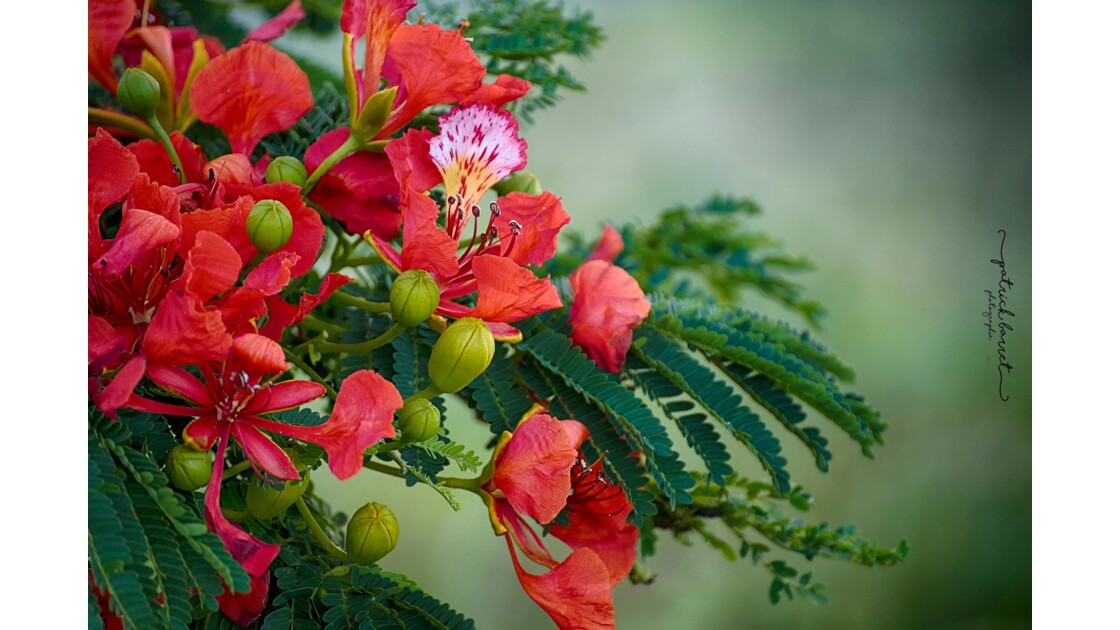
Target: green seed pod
413,298
286,169
461,353
521,181
269,225
265,503
138,93
188,469
418,420
371,534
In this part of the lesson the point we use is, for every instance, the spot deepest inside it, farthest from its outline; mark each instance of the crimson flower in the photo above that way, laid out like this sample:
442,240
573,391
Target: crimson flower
538,472
477,147
608,305
230,401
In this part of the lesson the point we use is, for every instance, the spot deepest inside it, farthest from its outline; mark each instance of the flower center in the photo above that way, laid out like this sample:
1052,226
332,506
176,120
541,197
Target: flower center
592,492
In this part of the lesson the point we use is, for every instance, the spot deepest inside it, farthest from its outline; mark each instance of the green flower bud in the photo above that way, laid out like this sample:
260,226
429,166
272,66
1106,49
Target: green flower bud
286,169
269,225
188,469
413,298
522,181
371,534
138,93
461,353
374,114
266,503
418,420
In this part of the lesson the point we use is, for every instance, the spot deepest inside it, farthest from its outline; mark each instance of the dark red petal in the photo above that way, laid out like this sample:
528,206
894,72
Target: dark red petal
212,266
540,218
607,306
103,339
282,314
109,20
249,92
202,433
508,292
111,171
154,161
245,608
181,383
504,89
264,453
576,594
533,470
430,66
140,232
278,24
362,416
360,191
183,332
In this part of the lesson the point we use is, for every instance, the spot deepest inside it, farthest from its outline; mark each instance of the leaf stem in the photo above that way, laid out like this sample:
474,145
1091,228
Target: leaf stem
235,470
105,118
365,346
312,374
365,305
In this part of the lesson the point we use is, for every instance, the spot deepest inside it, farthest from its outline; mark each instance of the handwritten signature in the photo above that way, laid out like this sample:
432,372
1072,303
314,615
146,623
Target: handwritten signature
998,302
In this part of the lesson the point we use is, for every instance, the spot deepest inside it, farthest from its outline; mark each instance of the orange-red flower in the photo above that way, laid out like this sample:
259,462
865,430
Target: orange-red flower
478,146
608,305
538,472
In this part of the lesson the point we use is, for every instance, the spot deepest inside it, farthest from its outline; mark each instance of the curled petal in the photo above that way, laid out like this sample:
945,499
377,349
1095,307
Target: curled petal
508,292
249,92
611,538
212,266
273,273
430,65
504,89
109,20
202,434
576,594
426,246
263,452
257,355
281,314
140,232
119,391
409,156
277,24
286,395
362,416
607,306
154,161
181,383
183,332
609,246
111,168
527,540
533,471
539,219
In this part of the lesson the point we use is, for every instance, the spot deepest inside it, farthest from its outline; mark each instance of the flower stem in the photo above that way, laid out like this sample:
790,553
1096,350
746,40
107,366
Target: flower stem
105,118
365,305
235,470
341,153
318,534
165,140
365,346
298,362
473,485
428,392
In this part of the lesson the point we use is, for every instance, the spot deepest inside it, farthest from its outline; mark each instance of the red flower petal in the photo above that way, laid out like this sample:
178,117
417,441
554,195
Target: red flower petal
527,540
607,307
362,416
508,292
533,471
286,395
426,246
154,161
276,25
540,218
430,66
154,197
212,266
109,20
409,157
182,332
609,246
245,608
111,171
273,273
282,314
264,453
181,383
249,92
140,232
376,20
120,389
611,538
576,594
257,355
360,191
504,89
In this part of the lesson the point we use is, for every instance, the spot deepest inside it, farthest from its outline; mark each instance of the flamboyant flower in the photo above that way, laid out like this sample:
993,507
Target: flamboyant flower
538,472
230,401
477,147
608,305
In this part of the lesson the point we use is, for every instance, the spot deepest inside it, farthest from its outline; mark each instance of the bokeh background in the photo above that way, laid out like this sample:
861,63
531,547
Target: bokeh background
889,141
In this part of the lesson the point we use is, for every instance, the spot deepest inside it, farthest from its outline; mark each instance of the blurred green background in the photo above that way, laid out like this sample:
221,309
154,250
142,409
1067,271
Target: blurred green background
889,141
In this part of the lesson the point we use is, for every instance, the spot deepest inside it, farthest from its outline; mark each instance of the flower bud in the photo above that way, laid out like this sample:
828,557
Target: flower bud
138,93
418,420
413,298
371,534
269,225
188,469
374,114
286,169
265,502
522,181
461,353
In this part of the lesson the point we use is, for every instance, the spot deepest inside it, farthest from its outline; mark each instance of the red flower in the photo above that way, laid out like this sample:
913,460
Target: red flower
607,307
477,147
109,20
231,399
249,92
538,472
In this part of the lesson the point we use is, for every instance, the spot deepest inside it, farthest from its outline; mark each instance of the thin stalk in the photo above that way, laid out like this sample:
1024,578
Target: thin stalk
298,362
365,305
365,346
105,118
235,470
318,534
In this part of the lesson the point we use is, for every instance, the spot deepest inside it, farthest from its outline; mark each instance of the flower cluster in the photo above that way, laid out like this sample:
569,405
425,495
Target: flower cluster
193,261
